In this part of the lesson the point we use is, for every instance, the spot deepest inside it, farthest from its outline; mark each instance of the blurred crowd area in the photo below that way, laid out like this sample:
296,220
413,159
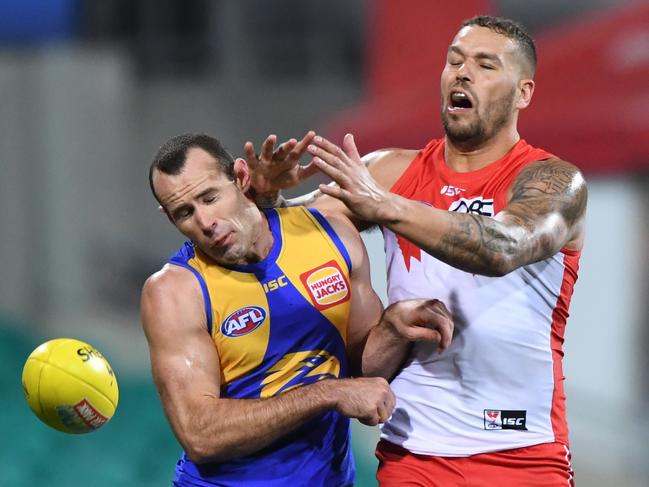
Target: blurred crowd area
92,89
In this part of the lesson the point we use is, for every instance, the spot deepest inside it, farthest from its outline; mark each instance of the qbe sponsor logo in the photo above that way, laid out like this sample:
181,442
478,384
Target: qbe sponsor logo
505,419
243,321
326,285
475,206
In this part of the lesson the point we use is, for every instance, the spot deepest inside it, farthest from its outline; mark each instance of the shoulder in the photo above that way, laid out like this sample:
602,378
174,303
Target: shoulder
168,279
348,234
171,291
552,187
552,176
387,165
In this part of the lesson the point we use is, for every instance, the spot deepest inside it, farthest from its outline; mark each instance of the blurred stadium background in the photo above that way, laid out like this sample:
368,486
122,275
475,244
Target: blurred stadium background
91,89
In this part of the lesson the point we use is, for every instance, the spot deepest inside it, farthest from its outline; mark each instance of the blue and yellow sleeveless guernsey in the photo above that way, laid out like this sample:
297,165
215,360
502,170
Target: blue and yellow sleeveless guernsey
280,324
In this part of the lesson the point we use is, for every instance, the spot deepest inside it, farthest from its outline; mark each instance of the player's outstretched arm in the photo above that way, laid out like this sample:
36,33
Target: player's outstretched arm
545,212
277,169
186,371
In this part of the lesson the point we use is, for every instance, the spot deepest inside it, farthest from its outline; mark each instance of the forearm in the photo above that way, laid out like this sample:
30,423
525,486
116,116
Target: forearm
473,243
384,353
401,324
220,429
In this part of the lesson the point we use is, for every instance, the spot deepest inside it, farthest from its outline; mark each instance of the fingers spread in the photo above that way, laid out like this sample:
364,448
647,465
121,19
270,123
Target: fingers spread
251,155
305,172
328,147
329,169
268,146
301,146
349,146
284,149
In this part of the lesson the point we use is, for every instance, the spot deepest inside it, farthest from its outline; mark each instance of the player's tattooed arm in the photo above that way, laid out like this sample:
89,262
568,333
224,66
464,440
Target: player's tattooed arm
544,213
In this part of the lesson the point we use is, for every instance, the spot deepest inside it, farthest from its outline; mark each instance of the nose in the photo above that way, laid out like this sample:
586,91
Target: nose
205,221
463,73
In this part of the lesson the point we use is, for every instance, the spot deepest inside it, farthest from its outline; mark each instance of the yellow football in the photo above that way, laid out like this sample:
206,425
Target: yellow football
70,386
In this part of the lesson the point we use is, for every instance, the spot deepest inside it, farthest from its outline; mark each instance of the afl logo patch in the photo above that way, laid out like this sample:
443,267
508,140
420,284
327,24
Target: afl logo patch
326,285
243,321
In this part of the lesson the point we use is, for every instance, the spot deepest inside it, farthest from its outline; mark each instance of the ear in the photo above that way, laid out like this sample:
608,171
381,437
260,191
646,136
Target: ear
242,174
525,92
164,211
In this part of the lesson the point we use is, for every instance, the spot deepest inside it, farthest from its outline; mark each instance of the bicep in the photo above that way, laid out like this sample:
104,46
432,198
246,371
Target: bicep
366,307
184,361
546,203
365,312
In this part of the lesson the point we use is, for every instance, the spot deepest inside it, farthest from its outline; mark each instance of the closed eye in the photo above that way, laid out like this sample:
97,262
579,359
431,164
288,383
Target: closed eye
182,213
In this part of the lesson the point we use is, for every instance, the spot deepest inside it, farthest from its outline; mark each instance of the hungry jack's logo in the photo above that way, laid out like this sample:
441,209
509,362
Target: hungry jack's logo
326,285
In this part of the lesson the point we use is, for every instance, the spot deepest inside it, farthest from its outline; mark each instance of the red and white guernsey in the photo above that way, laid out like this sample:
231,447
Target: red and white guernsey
500,383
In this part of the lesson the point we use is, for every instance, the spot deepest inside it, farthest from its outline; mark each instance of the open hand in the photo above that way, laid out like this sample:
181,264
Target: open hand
274,169
356,187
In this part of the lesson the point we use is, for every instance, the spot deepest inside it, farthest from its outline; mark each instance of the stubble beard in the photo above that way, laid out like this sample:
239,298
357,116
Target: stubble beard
481,129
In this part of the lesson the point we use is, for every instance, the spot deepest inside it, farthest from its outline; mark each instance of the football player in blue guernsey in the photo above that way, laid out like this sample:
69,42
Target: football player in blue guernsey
256,326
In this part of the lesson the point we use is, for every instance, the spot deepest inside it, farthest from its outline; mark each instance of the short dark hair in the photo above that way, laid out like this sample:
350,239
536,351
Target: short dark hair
171,157
510,29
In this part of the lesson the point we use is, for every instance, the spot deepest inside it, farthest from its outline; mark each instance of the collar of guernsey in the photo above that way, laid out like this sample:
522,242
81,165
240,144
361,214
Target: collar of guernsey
188,252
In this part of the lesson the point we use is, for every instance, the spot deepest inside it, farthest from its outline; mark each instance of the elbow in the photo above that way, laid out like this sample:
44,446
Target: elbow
500,267
200,451
198,457
518,253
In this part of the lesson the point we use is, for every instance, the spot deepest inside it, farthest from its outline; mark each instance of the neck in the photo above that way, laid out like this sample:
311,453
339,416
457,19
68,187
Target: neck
263,240
471,157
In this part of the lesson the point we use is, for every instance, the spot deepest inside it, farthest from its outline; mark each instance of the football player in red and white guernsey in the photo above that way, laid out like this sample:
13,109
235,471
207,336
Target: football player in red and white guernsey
494,228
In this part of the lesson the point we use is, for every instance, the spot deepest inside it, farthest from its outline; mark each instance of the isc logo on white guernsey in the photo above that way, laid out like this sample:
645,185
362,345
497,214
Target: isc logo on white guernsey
497,419
326,285
243,321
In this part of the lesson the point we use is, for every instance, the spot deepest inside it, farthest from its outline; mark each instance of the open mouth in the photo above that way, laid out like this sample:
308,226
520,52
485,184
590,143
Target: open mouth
458,100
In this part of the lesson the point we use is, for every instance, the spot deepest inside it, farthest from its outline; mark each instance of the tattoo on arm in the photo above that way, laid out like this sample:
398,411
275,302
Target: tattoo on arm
547,199
477,244
552,186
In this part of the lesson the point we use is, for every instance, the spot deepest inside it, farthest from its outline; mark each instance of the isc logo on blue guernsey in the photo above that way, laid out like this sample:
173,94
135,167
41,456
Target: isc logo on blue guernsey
243,321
